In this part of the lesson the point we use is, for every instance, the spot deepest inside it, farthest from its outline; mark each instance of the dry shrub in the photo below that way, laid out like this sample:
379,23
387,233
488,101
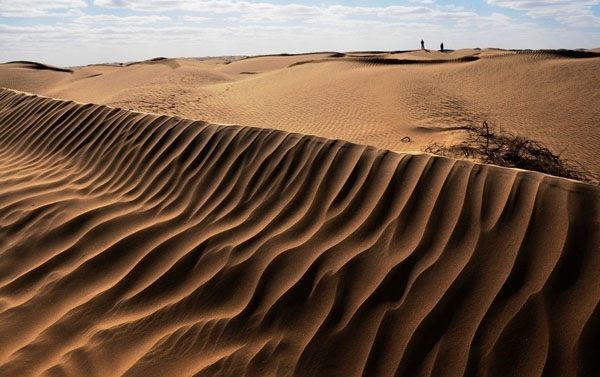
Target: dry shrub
505,149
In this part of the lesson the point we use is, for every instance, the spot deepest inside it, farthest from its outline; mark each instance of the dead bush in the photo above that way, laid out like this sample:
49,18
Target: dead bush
489,146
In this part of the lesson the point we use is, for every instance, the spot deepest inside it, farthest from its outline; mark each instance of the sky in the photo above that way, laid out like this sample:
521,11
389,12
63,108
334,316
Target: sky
78,32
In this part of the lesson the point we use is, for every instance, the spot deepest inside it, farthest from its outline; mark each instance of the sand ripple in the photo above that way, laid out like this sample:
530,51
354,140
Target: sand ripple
145,245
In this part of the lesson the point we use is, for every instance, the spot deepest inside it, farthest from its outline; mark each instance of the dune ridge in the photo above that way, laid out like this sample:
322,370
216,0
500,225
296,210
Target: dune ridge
375,98
146,245
38,66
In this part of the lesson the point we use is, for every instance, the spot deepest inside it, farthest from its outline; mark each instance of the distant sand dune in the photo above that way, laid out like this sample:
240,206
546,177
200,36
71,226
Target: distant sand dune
377,60
577,54
145,245
373,98
38,66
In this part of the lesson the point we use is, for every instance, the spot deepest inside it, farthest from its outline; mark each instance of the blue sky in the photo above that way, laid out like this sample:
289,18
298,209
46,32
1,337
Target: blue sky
76,32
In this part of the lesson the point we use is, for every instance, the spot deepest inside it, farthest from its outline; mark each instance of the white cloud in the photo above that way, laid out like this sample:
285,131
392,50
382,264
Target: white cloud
264,12
575,13
37,8
213,6
108,19
194,18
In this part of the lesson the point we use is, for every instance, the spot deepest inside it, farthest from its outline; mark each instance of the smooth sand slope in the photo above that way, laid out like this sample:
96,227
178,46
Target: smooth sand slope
145,245
368,98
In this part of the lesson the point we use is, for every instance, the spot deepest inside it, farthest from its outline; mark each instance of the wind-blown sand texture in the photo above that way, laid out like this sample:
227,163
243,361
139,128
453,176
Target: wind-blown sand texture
144,245
368,98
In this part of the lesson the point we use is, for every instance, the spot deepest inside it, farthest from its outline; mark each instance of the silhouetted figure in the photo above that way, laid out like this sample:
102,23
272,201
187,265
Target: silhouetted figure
442,47
422,45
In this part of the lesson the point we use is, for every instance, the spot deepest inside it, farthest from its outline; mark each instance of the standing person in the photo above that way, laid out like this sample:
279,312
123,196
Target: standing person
422,45
442,47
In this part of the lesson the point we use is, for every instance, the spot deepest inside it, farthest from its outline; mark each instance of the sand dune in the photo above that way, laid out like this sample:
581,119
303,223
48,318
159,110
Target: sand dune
37,66
373,98
144,245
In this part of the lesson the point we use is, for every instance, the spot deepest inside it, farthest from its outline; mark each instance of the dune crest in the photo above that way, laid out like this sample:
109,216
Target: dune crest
37,66
145,245
376,98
